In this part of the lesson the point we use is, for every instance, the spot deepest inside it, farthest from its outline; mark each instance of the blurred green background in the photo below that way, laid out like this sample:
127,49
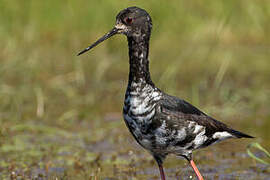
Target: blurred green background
61,115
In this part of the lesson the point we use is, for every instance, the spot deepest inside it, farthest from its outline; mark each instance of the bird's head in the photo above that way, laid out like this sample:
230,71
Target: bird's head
132,22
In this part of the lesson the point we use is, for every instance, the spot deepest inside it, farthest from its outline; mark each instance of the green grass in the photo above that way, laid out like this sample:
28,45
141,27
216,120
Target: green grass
61,111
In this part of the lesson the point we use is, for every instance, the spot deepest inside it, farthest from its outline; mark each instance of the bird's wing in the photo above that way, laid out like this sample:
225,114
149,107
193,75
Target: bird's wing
178,111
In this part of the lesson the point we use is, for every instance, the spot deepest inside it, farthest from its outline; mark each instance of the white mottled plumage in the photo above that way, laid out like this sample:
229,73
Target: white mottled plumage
181,134
140,109
198,128
222,135
199,139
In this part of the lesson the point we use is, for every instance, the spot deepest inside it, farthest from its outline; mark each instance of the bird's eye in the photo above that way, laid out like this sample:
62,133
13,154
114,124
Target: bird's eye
129,20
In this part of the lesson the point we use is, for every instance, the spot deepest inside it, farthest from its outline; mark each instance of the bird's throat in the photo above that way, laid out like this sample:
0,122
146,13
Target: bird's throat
138,59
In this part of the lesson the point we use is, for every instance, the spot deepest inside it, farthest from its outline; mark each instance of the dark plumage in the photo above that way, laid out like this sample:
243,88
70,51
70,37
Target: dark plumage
161,123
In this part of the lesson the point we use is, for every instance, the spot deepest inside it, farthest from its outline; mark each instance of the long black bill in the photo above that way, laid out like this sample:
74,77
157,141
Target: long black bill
106,36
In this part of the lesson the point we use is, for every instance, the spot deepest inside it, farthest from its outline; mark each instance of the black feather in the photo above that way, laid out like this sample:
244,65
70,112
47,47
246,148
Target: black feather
239,134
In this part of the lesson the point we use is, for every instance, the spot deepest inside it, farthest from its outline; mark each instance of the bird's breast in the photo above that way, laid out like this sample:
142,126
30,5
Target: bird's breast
140,103
139,110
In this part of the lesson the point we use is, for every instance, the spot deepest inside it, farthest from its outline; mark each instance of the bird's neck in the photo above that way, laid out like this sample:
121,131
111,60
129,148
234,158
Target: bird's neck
138,60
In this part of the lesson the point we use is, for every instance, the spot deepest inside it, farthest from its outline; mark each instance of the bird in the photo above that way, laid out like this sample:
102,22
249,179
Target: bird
160,123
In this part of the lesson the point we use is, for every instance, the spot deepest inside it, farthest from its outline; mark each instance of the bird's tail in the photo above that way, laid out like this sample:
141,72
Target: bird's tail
238,134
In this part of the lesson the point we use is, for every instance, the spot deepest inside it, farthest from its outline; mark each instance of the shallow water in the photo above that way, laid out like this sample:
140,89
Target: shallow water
110,152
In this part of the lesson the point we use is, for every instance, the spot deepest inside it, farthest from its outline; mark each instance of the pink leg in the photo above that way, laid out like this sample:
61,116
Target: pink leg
196,170
162,174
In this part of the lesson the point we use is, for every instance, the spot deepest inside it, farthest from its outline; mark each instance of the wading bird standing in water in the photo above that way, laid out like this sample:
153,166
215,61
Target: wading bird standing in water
160,123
